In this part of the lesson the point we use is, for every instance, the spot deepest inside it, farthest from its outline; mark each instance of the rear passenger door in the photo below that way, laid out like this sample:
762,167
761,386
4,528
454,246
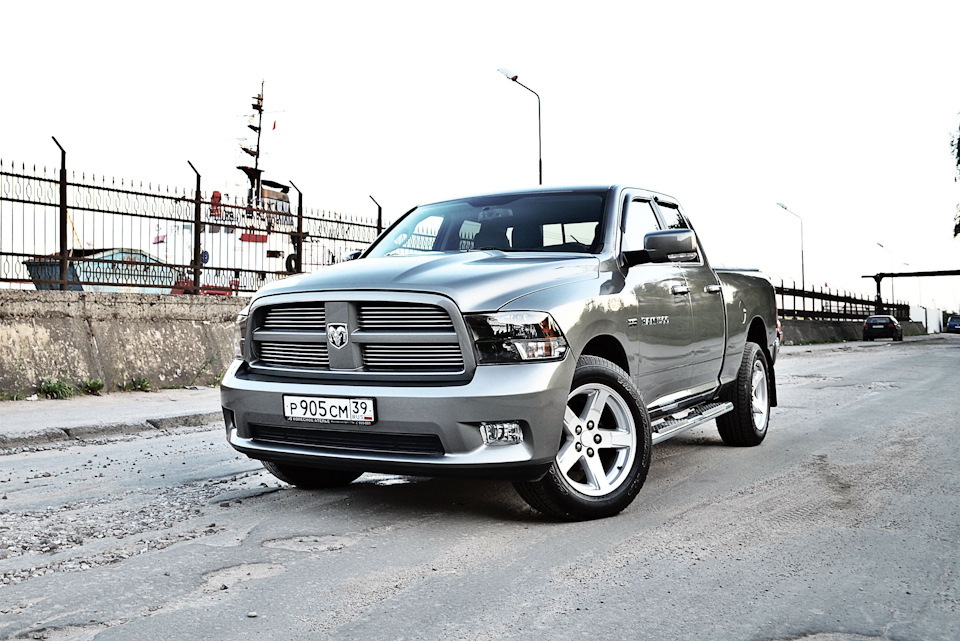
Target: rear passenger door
660,327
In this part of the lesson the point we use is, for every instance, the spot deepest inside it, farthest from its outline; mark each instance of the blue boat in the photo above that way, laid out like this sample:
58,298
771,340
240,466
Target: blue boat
116,270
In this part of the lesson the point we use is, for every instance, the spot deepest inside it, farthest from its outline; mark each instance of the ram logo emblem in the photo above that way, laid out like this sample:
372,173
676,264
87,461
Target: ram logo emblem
337,335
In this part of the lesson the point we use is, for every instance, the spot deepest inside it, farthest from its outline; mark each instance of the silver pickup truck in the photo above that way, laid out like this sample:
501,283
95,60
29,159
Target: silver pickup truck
549,337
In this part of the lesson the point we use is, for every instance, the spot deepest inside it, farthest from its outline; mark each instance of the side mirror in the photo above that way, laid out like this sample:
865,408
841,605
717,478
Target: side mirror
671,246
354,255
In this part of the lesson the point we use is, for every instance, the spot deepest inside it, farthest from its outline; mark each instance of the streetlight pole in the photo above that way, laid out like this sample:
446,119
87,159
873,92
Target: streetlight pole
802,267
512,76
892,297
919,288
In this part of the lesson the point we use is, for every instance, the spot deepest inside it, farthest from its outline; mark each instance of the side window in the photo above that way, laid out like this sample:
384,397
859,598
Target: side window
671,214
640,219
675,220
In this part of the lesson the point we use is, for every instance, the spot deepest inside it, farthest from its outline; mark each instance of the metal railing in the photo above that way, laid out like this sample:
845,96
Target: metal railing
830,305
98,234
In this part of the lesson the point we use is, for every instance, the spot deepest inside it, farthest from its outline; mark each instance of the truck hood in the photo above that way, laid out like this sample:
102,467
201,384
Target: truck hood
476,281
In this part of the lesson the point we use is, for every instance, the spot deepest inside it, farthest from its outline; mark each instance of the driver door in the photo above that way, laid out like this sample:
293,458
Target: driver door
660,329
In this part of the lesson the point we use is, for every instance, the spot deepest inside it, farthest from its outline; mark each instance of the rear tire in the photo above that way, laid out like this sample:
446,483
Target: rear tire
746,425
307,478
604,452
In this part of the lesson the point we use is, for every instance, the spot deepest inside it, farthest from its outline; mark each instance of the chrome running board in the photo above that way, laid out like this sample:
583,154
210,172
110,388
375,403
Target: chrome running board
670,426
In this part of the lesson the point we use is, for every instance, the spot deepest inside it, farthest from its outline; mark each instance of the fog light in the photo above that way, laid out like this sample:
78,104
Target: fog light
501,433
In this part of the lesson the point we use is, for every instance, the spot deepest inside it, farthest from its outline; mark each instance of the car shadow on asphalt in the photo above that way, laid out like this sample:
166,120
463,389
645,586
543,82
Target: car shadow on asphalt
418,496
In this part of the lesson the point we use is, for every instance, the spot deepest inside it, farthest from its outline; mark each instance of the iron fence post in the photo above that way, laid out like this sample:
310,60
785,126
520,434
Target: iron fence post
197,260
379,215
64,252
298,239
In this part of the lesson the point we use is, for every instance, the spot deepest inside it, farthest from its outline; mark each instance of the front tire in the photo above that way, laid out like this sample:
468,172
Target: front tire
604,452
746,425
307,478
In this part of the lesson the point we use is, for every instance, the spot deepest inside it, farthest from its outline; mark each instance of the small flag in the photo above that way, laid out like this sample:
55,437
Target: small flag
274,124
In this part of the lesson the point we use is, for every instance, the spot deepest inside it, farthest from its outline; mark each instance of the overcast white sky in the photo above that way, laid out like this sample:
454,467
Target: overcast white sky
843,111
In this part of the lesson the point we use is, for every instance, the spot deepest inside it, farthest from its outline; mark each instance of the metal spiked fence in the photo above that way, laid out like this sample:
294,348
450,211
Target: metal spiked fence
80,232
833,305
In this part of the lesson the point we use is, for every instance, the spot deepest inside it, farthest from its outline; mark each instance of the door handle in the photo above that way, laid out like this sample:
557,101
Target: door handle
712,289
679,290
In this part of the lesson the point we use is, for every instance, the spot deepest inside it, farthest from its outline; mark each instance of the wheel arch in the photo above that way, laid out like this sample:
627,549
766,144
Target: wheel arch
758,334
608,348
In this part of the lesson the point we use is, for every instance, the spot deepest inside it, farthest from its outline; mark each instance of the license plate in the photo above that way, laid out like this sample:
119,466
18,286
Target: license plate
325,409
879,326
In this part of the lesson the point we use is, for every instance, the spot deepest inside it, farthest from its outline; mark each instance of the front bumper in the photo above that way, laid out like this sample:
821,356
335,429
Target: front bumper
445,417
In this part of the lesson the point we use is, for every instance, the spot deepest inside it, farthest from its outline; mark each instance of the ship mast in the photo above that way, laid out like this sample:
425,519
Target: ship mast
254,173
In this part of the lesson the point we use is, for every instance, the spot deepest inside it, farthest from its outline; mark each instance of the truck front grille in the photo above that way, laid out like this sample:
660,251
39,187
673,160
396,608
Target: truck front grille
361,339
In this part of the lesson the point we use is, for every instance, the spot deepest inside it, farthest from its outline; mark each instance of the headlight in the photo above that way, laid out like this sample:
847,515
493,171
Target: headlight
240,332
514,337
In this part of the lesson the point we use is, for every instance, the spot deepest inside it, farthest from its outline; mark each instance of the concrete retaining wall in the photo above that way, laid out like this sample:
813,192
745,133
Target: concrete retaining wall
170,340
808,331
77,336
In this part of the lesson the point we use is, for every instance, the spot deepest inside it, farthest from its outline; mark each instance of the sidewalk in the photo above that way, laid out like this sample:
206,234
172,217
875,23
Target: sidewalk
48,421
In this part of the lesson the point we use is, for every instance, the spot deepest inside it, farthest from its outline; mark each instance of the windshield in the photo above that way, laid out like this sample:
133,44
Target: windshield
954,319
554,222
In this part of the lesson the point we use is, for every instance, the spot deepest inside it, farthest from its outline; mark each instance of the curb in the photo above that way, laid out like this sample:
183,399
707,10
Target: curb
50,435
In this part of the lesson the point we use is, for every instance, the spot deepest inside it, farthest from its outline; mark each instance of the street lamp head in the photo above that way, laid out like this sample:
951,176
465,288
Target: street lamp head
509,74
782,205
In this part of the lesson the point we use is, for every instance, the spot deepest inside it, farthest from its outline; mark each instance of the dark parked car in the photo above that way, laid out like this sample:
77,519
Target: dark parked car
882,327
953,324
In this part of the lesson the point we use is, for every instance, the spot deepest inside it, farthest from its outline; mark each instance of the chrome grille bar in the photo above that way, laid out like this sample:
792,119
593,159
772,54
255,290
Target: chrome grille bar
445,357
295,318
294,355
404,317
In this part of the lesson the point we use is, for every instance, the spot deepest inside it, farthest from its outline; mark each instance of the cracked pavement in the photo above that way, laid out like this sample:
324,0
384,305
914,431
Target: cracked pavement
842,526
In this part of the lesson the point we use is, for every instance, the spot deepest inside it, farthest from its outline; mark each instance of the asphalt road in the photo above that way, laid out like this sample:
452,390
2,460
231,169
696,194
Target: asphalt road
843,525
